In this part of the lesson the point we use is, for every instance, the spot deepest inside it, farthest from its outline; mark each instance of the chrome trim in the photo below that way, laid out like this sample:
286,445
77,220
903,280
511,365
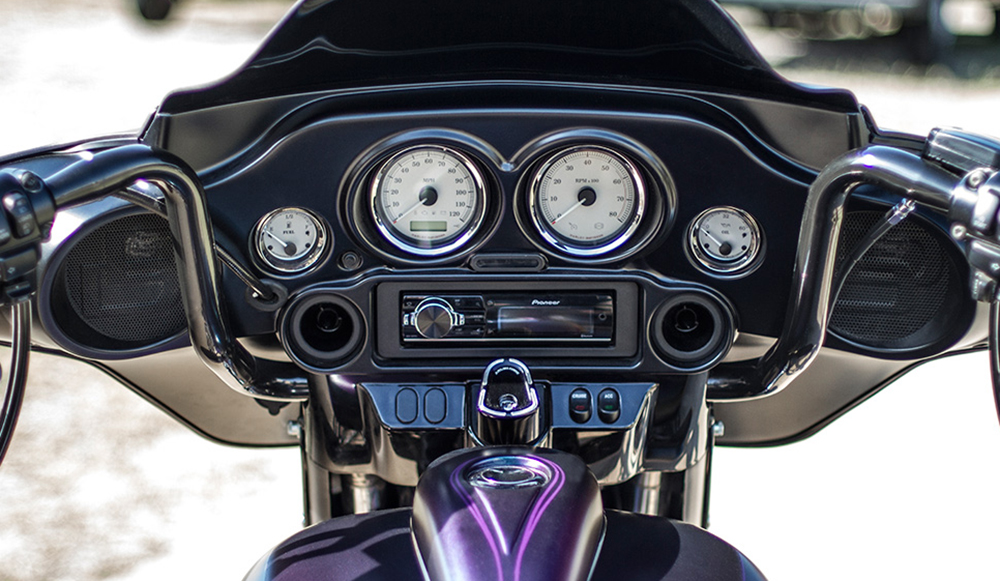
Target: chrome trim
463,236
570,248
508,473
312,259
712,266
506,415
901,172
106,172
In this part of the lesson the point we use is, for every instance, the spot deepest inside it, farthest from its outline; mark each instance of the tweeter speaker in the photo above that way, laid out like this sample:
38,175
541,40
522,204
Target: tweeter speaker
906,297
111,289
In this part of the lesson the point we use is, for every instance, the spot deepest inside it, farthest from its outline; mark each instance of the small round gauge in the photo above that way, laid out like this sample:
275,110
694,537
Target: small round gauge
587,200
428,200
725,240
290,240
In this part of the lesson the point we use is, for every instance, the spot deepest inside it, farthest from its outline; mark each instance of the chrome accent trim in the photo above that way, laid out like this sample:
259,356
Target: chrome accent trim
901,172
520,368
312,259
574,249
508,473
106,172
463,237
705,263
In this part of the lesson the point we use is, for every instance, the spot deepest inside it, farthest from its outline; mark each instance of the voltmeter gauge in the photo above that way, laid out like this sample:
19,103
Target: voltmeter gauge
290,240
428,200
587,200
725,240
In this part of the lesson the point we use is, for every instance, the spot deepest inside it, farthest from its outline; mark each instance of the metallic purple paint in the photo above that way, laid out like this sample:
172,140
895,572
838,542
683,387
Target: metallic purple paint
541,518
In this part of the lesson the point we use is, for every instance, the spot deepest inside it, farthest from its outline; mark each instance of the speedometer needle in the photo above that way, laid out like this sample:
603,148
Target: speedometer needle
408,210
428,197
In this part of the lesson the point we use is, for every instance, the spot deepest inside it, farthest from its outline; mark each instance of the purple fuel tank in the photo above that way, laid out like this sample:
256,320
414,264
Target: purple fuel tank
510,514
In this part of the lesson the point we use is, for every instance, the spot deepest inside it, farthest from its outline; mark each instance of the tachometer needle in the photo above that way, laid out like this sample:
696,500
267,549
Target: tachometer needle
567,212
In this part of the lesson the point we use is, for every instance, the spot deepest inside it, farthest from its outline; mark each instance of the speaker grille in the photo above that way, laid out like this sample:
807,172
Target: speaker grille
898,295
117,288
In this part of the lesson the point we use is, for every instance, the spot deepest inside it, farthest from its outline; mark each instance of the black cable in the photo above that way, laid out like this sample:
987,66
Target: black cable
894,216
17,374
995,351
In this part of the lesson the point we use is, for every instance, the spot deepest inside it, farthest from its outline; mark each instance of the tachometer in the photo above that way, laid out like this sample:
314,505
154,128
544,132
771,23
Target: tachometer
587,200
428,200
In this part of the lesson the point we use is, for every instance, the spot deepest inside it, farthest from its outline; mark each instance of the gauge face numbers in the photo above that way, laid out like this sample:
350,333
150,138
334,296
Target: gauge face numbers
587,200
428,200
725,240
290,240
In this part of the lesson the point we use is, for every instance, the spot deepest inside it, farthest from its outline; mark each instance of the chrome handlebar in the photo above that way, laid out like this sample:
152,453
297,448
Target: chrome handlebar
934,179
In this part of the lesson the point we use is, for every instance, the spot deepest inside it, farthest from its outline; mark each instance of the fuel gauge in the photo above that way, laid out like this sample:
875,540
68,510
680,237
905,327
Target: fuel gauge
725,240
290,240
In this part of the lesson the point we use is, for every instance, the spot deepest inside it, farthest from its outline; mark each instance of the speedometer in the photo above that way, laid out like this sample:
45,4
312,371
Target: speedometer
587,200
428,200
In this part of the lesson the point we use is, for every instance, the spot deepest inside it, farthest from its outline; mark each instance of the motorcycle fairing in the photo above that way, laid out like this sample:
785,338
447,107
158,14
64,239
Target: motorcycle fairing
337,44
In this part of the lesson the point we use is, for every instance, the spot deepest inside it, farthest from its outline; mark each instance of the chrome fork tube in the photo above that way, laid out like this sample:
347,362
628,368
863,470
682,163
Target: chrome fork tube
366,493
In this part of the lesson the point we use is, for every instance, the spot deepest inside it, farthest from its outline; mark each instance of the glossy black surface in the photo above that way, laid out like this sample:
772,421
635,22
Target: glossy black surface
312,115
336,44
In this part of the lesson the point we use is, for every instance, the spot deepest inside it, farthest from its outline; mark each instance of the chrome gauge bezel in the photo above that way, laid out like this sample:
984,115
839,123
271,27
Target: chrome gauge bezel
746,263
578,249
265,258
428,248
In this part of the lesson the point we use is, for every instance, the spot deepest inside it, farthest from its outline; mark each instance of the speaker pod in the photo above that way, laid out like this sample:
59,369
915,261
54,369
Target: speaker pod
111,291
907,297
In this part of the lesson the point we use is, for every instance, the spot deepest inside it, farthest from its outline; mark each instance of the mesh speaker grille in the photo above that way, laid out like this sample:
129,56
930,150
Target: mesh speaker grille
897,296
118,286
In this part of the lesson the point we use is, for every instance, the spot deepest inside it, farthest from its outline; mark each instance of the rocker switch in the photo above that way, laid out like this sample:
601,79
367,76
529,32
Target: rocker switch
609,406
19,209
579,405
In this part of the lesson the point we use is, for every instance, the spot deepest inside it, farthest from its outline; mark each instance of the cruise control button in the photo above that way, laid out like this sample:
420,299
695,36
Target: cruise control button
609,406
406,405
579,405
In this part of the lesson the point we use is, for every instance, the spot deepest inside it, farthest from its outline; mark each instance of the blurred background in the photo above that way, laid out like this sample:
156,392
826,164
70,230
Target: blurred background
98,485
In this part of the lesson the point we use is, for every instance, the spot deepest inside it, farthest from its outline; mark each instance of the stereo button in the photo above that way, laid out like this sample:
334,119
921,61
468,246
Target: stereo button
434,318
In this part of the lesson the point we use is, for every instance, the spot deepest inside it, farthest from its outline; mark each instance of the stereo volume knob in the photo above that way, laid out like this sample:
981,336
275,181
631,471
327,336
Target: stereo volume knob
434,318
